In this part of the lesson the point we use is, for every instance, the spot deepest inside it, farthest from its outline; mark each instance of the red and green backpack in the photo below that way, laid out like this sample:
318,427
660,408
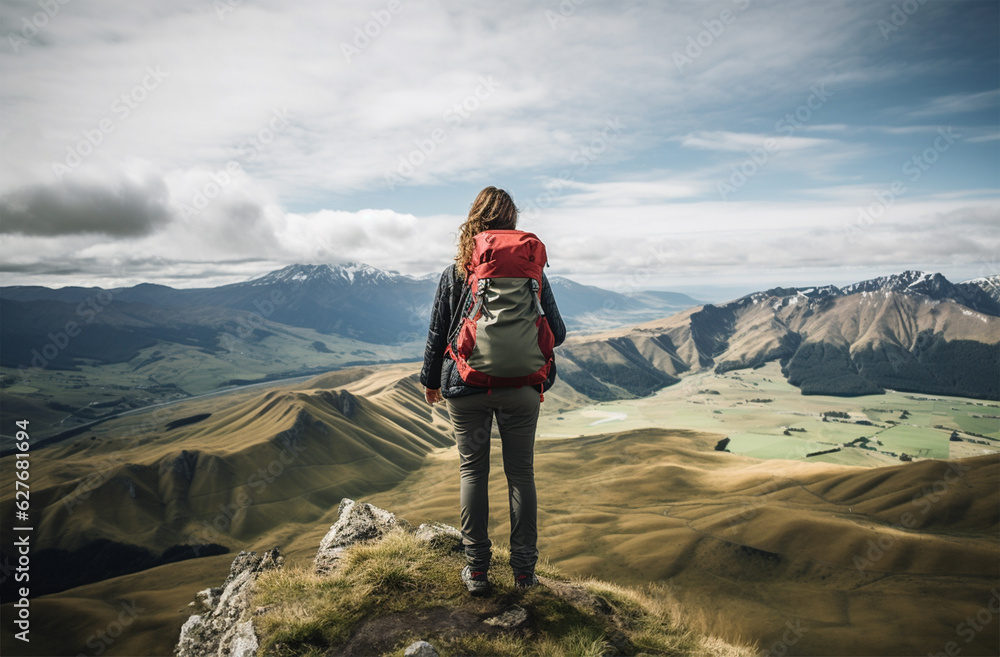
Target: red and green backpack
501,336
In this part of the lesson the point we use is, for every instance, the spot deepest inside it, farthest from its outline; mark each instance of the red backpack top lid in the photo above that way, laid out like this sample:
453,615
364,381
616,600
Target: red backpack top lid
507,254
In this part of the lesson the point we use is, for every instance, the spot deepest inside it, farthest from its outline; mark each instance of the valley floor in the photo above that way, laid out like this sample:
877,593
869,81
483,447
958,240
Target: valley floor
766,417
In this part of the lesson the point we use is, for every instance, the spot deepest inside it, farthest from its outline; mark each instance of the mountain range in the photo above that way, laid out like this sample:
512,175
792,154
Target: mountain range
353,301
911,331
74,355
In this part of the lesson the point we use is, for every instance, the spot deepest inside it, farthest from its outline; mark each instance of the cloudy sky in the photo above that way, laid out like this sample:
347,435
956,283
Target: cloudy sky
672,145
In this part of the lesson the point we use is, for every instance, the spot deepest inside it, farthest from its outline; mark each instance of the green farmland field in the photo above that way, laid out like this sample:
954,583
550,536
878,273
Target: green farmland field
765,417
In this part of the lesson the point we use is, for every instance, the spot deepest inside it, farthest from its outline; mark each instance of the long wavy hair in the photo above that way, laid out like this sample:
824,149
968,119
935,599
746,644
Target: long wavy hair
493,209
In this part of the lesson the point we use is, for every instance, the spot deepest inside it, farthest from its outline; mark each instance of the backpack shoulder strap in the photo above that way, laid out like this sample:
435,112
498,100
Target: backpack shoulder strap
459,311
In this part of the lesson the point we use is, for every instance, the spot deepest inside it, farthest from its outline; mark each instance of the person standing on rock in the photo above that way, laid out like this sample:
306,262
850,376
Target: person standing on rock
493,327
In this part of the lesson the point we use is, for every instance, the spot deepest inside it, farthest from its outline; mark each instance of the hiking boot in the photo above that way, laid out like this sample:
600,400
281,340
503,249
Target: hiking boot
476,581
525,580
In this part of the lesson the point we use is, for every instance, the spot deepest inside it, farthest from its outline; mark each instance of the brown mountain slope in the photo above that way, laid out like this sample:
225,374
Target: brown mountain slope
224,476
841,553
884,561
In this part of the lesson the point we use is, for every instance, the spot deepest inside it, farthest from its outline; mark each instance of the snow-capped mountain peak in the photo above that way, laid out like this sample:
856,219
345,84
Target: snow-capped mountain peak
909,281
351,273
990,285
561,281
362,273
980,295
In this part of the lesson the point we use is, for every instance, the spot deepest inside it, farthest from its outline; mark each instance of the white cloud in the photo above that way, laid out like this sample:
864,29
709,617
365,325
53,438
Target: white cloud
352,120
449,93
741,141
668,242
630,192
952,103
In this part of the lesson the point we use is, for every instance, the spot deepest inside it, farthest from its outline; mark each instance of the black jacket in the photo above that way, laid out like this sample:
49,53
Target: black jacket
439,370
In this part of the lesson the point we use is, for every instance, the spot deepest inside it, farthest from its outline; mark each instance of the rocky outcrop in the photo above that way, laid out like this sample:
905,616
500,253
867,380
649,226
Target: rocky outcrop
182,467
357,521
224,628
347,404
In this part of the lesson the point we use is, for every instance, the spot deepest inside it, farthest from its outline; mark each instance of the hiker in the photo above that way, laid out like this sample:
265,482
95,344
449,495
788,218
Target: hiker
489,354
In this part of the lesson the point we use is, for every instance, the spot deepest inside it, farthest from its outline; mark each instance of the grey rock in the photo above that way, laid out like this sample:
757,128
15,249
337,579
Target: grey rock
513,617
358,521
440,535
244,641
420,649
206,599
225,629
190,627
127,484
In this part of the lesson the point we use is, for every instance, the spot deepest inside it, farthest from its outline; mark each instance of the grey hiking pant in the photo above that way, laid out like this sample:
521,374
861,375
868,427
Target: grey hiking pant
516,412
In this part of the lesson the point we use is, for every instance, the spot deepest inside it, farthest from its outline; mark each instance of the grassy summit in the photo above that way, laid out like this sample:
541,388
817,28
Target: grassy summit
384,595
